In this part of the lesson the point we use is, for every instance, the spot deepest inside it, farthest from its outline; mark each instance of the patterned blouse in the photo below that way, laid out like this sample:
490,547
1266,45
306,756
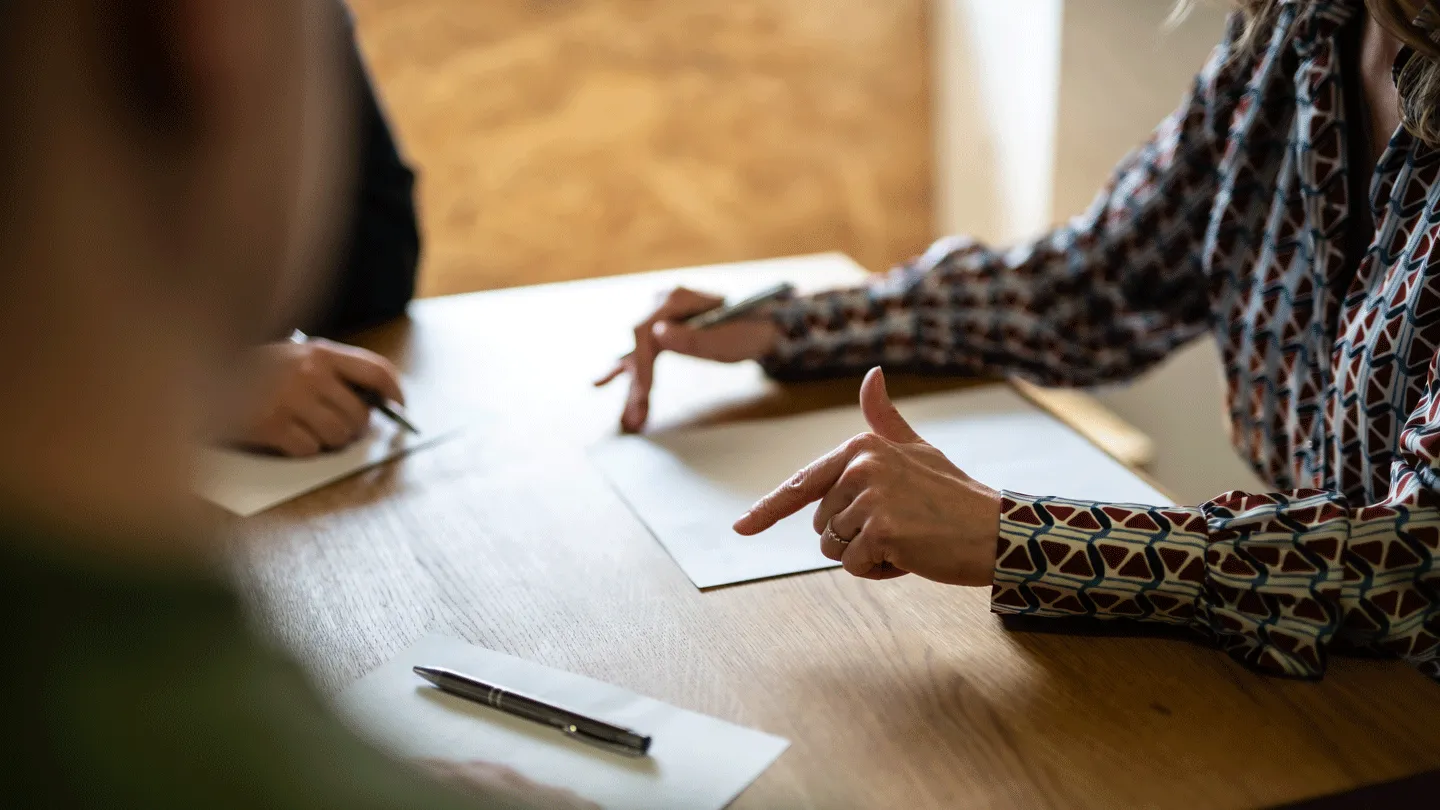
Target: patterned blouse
1240,216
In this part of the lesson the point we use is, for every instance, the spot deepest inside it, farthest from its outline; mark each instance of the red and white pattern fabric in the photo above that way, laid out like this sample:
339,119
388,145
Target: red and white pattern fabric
1237,217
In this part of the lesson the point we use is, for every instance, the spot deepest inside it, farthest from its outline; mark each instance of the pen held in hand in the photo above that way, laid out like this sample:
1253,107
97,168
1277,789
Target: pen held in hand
726,313
572,724
388,409
374,399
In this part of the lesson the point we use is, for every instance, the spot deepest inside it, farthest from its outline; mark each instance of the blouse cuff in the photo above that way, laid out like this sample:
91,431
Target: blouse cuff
1059,557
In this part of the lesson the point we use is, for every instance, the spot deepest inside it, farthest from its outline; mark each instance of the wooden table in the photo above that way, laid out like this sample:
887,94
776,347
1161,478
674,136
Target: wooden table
895,694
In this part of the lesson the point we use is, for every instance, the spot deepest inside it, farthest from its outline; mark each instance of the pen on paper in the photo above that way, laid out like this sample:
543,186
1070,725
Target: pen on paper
571,723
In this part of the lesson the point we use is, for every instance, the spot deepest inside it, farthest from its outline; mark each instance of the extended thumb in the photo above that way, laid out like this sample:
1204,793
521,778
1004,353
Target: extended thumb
881,414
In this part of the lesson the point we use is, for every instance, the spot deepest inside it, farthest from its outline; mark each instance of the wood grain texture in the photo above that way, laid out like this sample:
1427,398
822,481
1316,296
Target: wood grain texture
563,139
896,694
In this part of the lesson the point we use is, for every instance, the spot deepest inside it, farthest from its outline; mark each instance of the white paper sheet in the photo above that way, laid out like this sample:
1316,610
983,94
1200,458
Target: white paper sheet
695,763
248,483
689,486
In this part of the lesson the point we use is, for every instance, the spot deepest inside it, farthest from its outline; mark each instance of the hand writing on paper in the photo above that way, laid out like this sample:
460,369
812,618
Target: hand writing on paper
488,781
893,503
663,330
304,403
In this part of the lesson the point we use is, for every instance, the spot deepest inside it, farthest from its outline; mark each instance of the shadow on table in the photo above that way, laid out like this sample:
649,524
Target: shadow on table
1106,628
1416,791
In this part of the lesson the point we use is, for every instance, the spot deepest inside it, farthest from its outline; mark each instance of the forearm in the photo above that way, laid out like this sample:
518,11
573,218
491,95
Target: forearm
967,310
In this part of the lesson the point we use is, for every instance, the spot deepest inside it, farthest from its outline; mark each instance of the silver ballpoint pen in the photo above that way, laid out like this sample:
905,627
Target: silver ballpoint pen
570,723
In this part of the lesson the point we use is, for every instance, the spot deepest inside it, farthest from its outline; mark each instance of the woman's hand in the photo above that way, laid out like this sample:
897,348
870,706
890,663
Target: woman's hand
487,781
664,330
305,402
890,504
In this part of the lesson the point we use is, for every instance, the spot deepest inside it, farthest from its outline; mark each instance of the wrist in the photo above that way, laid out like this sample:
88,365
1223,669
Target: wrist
991,538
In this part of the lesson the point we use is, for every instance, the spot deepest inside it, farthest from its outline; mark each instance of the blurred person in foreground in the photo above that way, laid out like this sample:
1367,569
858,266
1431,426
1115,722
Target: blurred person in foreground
170,169
301,402
1290,207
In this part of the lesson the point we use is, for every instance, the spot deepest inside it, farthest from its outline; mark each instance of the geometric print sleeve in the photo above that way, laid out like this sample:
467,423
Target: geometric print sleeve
1280,580
1100,299
1275,579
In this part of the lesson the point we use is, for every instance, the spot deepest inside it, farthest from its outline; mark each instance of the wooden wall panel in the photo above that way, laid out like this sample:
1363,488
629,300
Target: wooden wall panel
562,139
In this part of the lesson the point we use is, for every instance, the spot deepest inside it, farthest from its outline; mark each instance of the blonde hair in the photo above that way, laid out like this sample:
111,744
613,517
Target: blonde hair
1419,81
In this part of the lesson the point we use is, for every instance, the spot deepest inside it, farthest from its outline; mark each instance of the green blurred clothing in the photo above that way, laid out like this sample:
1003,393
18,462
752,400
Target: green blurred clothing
132,689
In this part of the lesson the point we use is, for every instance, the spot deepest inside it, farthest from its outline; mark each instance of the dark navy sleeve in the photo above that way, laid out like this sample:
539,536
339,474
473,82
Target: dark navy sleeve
380,251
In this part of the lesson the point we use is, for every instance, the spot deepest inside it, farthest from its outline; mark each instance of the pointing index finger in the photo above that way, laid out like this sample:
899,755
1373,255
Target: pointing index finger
804,487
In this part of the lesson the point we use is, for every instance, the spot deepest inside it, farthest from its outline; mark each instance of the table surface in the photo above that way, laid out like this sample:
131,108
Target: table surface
894,694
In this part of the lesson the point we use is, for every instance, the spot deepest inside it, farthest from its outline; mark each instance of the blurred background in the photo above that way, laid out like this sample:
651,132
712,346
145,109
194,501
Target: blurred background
565,139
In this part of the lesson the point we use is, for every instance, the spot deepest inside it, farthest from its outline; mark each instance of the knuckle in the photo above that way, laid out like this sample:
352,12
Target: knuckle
871,444
865,503
797,480
853,480
880,528
862,442
856,563
310,369
866,467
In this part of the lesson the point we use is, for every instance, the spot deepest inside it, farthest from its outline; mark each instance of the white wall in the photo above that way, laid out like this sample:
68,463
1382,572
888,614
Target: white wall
1037,101
997,92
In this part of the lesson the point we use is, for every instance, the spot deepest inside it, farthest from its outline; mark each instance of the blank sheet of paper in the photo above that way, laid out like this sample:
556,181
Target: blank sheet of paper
695,762
249,483
689,486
